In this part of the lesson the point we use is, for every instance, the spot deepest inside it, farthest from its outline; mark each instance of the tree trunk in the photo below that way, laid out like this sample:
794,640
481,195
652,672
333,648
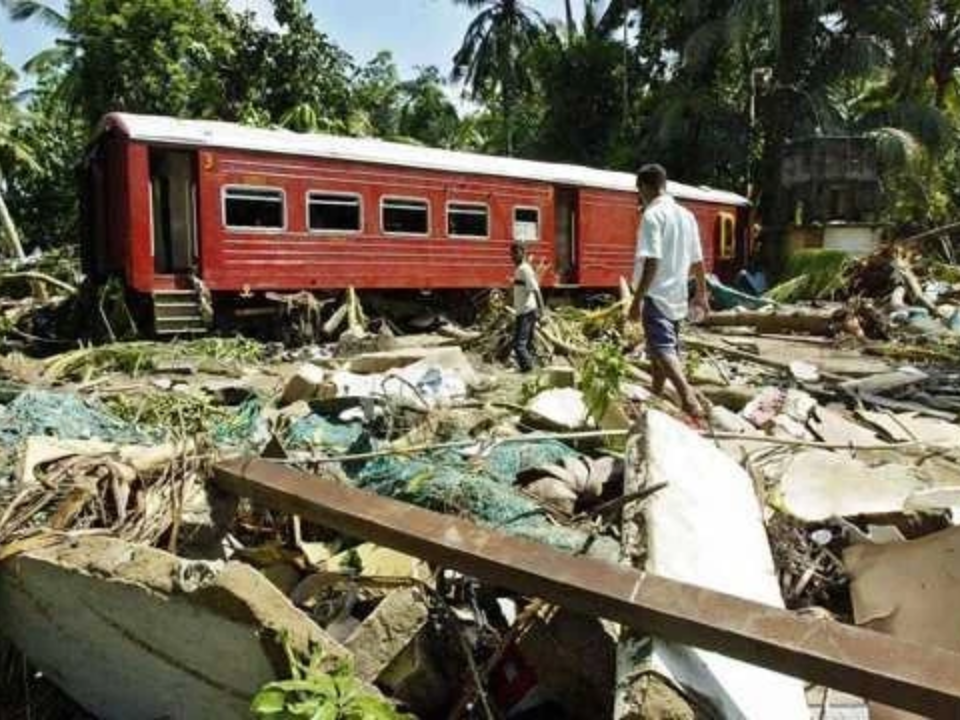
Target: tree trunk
9,230
809,322
779,116
507,83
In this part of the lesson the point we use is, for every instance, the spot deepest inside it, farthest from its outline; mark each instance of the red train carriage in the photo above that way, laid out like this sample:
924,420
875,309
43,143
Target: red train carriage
243,210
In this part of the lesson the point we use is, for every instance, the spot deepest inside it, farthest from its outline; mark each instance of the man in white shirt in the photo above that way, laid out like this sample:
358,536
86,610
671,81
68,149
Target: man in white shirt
668,251
528,303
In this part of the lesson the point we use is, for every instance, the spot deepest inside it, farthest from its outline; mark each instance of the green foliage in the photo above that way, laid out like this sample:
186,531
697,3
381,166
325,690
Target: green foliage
426,113
161,57
14,153
292,75
312,693
493,60
581,80
377,94
813,275
43,194
602,375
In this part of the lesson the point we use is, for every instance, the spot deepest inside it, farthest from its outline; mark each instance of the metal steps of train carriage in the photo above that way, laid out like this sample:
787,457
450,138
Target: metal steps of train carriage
178,312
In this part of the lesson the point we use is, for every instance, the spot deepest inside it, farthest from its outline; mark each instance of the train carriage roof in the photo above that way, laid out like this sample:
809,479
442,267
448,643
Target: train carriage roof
215,134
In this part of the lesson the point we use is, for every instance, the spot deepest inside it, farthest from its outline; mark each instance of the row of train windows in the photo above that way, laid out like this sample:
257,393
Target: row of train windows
247,208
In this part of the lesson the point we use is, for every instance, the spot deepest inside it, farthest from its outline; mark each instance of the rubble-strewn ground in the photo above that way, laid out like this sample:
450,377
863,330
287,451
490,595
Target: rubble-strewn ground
843,415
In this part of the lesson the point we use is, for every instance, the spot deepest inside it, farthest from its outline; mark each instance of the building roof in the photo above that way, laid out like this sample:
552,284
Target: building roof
215,134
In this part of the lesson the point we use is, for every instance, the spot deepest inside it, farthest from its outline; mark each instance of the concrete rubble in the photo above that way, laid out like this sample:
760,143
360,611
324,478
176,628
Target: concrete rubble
826,483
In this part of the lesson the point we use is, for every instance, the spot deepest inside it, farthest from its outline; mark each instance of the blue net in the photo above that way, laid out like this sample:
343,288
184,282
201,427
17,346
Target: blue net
315,432
449,483
504,462
65,416
246,428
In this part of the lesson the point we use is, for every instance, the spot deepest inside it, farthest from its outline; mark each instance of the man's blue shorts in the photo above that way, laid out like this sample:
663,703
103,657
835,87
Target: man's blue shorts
662,334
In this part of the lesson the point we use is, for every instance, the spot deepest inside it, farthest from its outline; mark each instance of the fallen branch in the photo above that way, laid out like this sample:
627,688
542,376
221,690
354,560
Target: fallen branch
796,442
699,344
943,230
617,503
766,323
39,277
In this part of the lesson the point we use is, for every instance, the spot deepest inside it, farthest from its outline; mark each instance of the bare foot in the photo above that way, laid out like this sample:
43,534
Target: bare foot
692,407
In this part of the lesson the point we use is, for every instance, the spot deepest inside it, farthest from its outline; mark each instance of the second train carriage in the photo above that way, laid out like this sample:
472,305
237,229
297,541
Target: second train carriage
169,204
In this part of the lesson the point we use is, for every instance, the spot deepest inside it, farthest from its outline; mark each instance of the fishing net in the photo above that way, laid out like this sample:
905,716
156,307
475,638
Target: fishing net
61,415
65,416
315,432
504,462
246,428
450,483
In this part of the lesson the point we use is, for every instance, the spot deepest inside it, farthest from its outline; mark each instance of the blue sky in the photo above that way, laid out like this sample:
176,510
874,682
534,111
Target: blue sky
418,32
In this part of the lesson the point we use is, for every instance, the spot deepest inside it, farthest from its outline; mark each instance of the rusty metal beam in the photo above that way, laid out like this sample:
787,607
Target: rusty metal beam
920,679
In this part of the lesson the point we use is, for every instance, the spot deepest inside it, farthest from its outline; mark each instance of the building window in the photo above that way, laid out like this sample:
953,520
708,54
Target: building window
526,224
728,236
249,208
468,220
333,212
400,216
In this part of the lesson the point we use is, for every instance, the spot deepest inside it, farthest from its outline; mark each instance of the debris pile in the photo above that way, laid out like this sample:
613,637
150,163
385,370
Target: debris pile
132,477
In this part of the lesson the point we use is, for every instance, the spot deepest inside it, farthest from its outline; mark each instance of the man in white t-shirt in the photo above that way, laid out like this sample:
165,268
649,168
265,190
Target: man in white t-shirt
528,304
668,251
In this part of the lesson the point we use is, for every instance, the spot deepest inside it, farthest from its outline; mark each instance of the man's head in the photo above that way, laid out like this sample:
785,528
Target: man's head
518,252
651,182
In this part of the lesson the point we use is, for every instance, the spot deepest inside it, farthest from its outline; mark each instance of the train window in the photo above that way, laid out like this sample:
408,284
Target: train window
250,208
526,224
333,212
728,236
403,216
468,220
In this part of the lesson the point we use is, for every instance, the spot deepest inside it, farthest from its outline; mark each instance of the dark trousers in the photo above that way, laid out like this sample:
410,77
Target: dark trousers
523,331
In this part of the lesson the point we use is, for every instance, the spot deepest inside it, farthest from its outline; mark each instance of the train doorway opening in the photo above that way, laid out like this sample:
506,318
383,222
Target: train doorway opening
173,195
565,231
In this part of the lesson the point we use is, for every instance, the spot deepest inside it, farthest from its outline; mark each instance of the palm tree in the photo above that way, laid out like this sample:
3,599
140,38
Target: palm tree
492,58
61,56
29,9
12,151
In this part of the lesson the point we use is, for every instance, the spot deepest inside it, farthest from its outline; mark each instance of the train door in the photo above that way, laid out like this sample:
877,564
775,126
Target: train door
173,194
565,231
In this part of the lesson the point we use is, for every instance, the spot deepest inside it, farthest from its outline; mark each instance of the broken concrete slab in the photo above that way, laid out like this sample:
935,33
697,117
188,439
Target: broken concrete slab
932,431
303,385
908,590
387,631
886,422
818,485
885,382
707,513
832,427
129,631
447,358
562,409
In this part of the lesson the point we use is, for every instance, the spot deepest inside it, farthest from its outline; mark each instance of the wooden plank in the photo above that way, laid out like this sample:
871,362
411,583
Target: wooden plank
918,678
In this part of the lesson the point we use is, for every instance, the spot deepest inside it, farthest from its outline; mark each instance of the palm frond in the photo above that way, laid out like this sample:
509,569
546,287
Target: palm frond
896,148
21,10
